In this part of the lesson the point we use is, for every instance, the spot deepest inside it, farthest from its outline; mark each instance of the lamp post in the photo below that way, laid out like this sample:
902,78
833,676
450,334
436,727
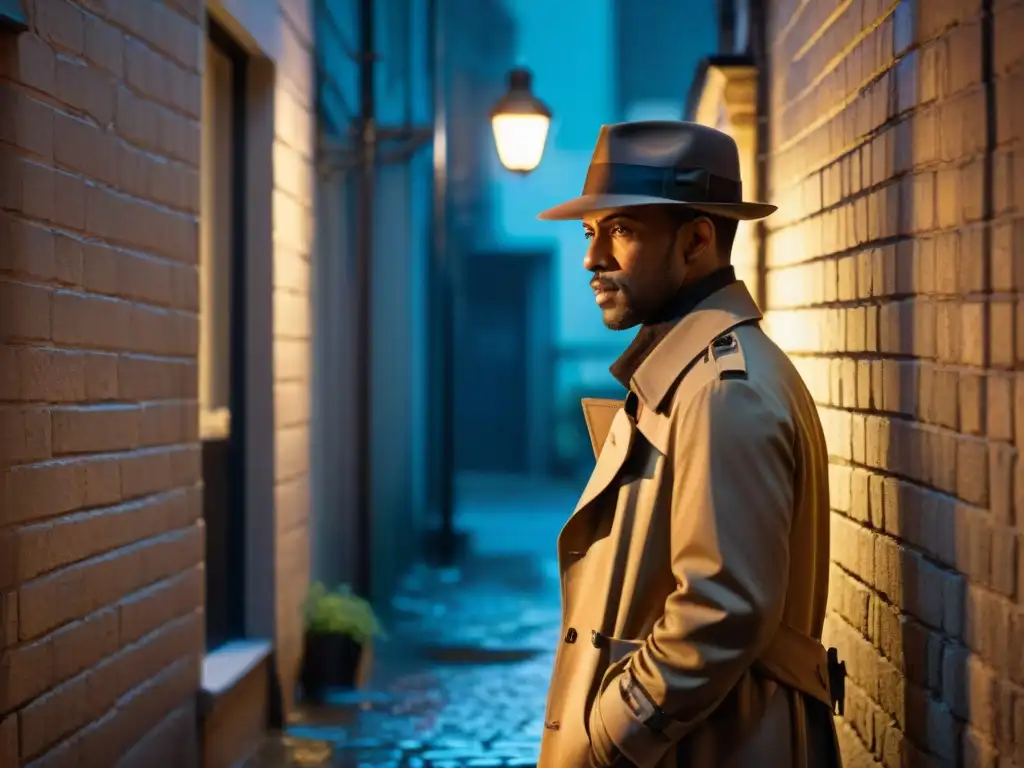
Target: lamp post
520,122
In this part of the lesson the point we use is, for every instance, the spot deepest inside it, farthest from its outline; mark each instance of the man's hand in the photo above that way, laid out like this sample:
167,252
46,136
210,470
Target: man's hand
604,753
617,760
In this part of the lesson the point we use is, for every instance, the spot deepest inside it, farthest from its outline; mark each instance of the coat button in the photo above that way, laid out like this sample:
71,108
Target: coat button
570,636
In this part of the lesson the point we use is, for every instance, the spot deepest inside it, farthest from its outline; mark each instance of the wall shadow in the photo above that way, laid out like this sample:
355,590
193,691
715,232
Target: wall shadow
941,623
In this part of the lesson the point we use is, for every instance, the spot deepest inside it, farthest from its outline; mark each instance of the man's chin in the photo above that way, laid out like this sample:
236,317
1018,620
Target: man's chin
617,320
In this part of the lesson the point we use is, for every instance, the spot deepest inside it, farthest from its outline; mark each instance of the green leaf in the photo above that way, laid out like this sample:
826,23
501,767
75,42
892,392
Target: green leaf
340,613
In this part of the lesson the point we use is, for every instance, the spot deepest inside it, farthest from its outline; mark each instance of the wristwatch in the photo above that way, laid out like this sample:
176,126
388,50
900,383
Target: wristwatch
646,711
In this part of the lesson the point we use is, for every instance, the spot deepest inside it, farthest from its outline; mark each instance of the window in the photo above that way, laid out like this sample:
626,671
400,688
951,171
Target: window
221,330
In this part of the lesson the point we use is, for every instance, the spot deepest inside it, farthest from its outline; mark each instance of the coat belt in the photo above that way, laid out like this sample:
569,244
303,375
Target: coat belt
800,663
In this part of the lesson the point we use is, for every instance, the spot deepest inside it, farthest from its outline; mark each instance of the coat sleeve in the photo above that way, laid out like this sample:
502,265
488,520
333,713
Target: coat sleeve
732,505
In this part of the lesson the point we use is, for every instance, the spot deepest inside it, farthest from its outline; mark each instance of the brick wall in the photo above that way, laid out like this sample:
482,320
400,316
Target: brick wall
893,278
294,120
101,541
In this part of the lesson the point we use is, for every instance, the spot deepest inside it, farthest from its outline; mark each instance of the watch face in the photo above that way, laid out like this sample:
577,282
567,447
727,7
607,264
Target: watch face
631,696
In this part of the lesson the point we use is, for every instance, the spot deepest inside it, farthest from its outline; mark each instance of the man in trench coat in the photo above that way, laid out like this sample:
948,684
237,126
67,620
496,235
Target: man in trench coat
695,565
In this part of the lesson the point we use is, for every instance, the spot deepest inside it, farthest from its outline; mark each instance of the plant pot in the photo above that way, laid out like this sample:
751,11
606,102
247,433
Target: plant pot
328,661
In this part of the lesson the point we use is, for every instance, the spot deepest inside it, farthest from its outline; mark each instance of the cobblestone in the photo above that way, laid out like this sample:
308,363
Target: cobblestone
462,680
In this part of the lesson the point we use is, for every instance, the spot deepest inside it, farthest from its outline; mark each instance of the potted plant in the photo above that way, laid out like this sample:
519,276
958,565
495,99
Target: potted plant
337,627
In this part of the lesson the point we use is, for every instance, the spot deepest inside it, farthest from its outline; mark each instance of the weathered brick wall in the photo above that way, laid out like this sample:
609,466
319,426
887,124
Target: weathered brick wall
101,541
893,280
294,177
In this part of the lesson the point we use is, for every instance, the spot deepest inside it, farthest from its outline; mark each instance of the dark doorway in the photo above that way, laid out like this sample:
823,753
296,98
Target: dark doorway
503,382
222,329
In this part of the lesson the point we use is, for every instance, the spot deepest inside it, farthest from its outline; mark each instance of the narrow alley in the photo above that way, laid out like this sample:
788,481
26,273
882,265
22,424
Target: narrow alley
462,678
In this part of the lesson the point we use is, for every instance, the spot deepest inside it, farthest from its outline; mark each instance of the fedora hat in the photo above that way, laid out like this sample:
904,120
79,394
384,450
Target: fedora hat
662,162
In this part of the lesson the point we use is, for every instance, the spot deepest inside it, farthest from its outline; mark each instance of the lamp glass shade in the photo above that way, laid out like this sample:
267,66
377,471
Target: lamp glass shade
520,139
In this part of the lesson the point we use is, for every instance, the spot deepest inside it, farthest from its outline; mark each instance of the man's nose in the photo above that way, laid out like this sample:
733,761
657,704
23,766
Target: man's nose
597,255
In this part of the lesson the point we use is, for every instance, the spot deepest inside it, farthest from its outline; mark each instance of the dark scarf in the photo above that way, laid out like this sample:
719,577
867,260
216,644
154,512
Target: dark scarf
653,331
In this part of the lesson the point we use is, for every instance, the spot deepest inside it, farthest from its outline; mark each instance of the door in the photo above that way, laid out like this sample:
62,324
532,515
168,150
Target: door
502,357
221,316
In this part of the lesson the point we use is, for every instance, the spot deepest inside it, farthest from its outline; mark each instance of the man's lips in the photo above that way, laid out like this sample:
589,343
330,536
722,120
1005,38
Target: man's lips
604,293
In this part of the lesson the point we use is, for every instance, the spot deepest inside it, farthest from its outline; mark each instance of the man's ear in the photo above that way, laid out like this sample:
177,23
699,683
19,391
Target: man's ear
702,237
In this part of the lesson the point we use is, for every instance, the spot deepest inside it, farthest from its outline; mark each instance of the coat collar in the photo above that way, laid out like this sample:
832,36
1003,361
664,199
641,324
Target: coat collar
688,338
652,332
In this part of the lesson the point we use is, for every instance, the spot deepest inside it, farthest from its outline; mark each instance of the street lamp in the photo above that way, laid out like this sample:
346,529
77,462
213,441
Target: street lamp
520,122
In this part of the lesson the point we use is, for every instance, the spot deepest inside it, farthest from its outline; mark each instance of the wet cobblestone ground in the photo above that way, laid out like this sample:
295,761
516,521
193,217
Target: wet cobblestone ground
462,680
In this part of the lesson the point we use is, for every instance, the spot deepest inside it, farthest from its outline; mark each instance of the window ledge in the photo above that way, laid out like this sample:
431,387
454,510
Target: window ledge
225,667
724,86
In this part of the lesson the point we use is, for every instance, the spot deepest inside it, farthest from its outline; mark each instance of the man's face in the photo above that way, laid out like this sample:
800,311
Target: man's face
638,257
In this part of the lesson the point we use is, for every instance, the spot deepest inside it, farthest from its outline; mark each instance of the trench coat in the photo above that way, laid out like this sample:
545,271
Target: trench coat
694,569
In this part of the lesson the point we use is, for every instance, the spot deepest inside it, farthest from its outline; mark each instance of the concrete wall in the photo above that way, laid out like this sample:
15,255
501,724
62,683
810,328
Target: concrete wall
101,537
893,277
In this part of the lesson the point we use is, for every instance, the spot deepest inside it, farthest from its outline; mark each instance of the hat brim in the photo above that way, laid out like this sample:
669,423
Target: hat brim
580,206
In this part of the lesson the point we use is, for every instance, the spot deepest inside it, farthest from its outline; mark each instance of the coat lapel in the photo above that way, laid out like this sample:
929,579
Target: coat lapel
599,413
613,455
653,381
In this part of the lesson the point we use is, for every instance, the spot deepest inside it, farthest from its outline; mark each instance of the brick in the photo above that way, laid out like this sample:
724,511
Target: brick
1008,17
978,749
140,660
85,88
999,406
161,694
61,24
61,711
26,123
987,619
24,434
78,590
155,606
39,374
25,673
72,538
1003,460
31,62
94,429
9,751
24,311
104,45
1005,561
974,543
36,491
93,321
972,470
152,378
82,147
930,722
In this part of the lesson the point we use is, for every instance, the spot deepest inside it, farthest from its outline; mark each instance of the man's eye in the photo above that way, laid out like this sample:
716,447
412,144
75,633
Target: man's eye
588,234
619,231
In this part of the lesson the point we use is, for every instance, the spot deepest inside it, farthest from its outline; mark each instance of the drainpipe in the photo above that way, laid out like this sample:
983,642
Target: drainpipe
758,46
442,300
364,305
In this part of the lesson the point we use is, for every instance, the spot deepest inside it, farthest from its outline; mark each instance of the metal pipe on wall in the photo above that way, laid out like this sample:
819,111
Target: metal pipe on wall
364,303
442,299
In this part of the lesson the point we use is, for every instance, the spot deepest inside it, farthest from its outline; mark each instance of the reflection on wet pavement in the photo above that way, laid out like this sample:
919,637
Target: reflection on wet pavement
462,681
